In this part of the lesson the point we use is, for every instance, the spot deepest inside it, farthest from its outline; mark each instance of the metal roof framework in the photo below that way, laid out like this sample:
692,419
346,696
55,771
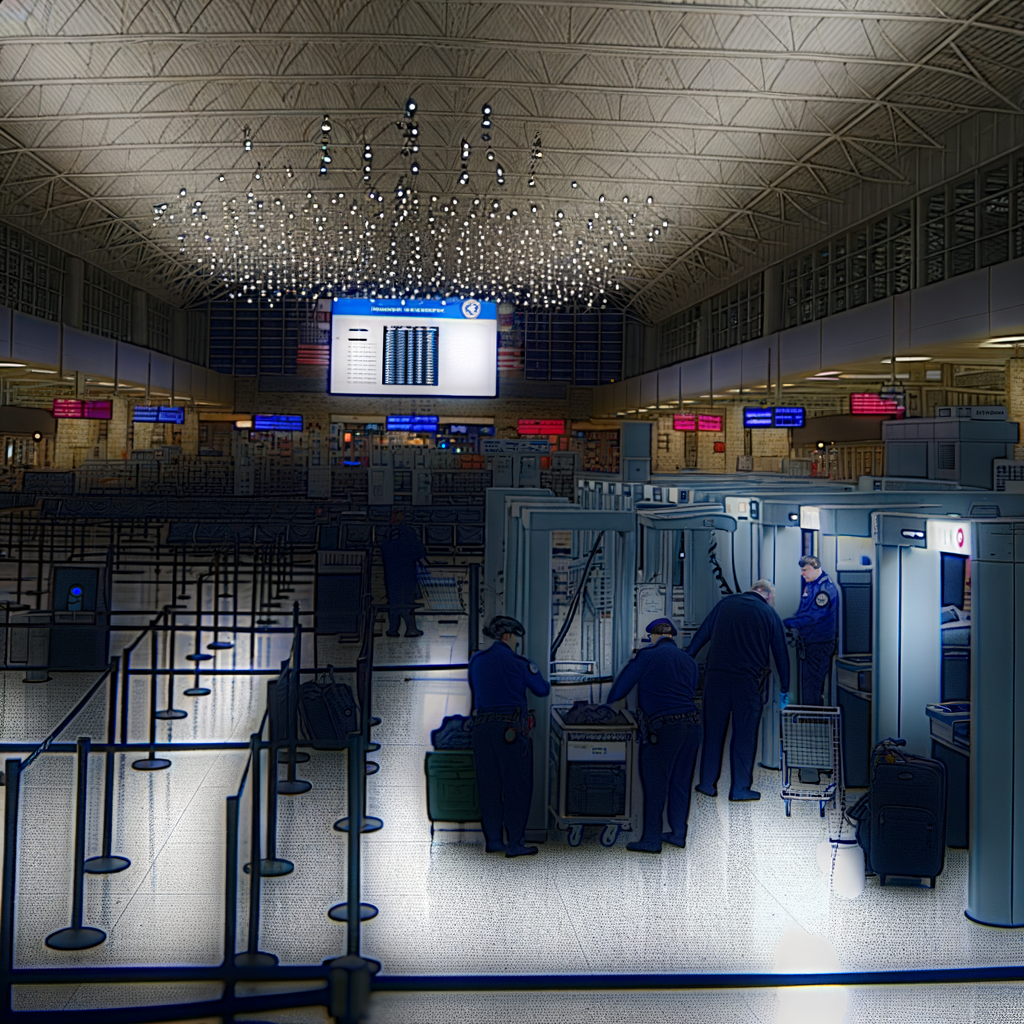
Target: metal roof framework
741,119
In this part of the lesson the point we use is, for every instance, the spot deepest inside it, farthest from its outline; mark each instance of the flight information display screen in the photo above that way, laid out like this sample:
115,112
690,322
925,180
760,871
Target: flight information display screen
753,418
684,422
77,409
541,427
706,421
789,416
263,421
159,414
436,347
413,424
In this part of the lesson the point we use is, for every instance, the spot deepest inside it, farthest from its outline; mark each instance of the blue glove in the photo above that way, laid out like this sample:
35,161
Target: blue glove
783,700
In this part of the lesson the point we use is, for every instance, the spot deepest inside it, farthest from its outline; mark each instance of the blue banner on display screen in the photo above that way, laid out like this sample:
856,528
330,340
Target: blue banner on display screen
789,416
413,424
265,422
159,414
435,347
757,418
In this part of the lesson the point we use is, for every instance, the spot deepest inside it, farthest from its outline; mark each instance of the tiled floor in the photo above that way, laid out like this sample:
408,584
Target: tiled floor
745,896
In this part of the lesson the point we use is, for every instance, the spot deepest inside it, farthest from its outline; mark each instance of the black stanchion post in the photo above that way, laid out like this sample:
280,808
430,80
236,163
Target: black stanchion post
198,654
154,763
252,957
474,608
291,786
12,792
106,863
170,713
77,936
217,644
273,866
231,882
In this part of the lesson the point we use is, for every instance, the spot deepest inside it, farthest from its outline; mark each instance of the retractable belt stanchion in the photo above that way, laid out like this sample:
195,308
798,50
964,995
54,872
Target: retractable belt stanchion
154,763
291,786
290,754
170,713
273,866
77,936
217,644
198,655
106,863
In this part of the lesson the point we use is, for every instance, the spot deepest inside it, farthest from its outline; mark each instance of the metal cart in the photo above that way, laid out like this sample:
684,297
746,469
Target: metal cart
591,776
440,593
811,738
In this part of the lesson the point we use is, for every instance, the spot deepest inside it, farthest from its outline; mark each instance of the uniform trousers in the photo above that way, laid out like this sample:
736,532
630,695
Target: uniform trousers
504,779
815,668
740,697
666,771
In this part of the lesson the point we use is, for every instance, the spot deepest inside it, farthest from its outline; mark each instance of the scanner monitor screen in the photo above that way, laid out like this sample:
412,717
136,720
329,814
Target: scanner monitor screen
434,347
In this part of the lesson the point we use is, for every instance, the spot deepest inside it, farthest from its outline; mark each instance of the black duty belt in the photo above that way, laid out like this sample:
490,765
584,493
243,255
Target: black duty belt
497,716
649,726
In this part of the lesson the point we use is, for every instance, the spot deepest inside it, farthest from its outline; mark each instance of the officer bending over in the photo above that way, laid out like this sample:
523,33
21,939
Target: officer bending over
502,749
743,629
815,624
666,678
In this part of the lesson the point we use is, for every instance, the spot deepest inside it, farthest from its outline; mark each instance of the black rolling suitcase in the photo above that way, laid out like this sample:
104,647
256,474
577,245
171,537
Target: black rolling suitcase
902,821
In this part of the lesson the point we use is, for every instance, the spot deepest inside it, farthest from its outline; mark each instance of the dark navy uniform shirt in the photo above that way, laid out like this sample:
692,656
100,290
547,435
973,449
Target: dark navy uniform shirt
666,677
499,679
743,629
817,617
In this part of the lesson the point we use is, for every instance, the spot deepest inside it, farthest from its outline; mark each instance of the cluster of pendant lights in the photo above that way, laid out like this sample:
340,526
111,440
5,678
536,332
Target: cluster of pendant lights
388,239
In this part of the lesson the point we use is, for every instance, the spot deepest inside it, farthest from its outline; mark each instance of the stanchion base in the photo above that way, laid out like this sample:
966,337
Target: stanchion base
273,867
367,912
196,691
220,645
255,960
106,865
370,747
170,714
370,824
372,767
293,787
76,938
301,757
373,966
374,720
198,656
151,764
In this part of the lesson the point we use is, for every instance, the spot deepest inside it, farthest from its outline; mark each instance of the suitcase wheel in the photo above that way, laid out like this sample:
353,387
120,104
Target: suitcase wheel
821,810
881,879
933,882
575,835
788,806
609,835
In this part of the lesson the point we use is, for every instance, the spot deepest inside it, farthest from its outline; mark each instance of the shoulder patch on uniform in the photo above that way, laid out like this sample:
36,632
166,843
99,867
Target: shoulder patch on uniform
822,599
533,668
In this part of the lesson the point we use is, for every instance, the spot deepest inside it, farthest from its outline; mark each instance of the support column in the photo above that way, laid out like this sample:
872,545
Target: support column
1015,399
735,441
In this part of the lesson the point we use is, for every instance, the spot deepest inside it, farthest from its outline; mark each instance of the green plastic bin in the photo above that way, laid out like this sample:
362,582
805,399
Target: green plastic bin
451,786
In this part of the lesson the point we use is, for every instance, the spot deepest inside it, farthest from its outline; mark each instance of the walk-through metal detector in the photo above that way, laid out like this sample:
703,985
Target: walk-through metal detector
534,529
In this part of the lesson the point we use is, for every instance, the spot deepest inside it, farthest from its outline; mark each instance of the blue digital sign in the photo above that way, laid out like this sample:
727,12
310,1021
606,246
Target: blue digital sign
777,416
757,418
262,421
413,424
159,414
789,416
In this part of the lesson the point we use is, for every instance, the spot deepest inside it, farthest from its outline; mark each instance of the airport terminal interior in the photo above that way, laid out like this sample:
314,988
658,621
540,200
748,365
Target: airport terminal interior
380,381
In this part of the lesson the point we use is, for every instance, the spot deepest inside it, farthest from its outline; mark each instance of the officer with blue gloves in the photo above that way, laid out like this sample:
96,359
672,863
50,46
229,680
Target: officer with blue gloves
502,749
666,680
743,630
400,550
815,624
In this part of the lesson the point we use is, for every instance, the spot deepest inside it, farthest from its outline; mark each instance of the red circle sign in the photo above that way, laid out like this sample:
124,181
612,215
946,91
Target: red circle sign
960,538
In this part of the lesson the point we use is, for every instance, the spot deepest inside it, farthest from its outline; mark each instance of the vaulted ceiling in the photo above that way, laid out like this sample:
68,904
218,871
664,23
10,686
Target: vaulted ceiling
738,118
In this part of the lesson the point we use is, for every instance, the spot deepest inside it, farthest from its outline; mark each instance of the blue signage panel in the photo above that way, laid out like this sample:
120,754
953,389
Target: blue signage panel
757,418
413,424
262,421
789,416
159,414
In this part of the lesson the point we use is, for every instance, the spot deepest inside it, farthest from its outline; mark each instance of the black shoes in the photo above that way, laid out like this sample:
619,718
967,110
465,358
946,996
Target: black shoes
519,850
745,794
706,792
643,847
673,840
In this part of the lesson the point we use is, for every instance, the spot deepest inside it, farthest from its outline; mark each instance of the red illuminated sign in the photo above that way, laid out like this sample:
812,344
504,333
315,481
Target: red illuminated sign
719,446
542,427
867,403
76,409
684,422
705,422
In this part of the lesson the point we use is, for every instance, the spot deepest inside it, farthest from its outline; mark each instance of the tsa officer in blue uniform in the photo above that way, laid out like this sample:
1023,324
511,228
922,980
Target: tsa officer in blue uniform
815,624
743,630
502,750
400,550
666,680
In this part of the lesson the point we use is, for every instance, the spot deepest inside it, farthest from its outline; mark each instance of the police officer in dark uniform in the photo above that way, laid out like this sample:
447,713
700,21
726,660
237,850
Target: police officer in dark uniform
743,630
815,624
666,678
502,749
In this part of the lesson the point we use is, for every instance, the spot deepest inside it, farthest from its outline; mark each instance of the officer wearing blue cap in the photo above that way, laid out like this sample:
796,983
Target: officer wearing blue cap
815,624
743,630
666,679
502,750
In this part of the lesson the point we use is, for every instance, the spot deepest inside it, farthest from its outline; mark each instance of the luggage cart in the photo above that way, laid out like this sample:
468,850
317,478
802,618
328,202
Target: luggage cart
591,776
440,593
810,738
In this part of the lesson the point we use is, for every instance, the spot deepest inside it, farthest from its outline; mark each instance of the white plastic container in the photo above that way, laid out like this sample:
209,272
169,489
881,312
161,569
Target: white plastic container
847,874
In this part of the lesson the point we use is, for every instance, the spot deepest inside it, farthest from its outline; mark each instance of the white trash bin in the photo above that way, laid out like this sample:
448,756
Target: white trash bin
848,872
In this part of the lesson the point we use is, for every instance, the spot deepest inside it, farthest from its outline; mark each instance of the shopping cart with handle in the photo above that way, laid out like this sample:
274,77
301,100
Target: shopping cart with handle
811,739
